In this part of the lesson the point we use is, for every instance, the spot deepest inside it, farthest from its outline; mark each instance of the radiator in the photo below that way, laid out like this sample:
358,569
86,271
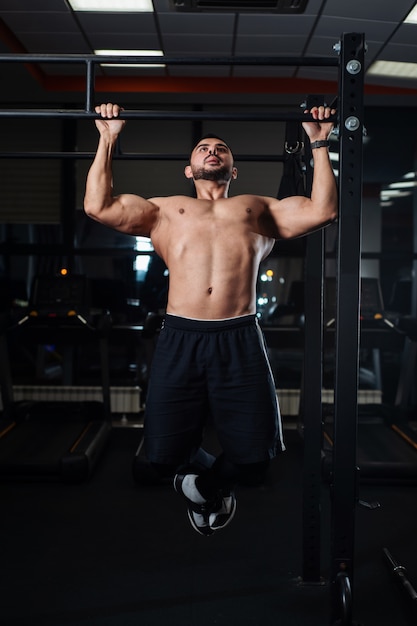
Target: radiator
122,399
128,399
289,399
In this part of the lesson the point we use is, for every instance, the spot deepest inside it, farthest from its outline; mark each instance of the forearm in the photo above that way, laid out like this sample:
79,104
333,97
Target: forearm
324,194
99,184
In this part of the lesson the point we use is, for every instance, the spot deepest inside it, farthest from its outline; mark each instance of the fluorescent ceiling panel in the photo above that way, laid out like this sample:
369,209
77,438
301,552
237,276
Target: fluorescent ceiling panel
411,17
393,68
113,6
131,53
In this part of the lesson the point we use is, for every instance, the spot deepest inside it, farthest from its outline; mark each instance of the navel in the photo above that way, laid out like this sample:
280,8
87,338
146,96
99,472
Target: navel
209,290
181,211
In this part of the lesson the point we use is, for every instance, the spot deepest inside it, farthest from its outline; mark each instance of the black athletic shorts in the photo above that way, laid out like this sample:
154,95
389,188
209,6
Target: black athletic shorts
217,369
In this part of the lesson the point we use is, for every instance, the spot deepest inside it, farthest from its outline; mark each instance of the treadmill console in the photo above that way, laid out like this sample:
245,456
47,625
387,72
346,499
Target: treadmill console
59,296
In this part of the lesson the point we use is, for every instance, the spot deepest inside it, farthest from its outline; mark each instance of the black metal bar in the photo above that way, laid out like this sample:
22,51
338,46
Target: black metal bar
310,404
254,116
393,255
344,473
68,192
6,384
89,92
344,591
413,310
57,250
167,60
311,412
105,372
134,156
400,573
8,249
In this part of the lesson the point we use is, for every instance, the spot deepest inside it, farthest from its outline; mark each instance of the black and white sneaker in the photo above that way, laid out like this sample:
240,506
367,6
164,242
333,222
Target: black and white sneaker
198,508
205,516
222,516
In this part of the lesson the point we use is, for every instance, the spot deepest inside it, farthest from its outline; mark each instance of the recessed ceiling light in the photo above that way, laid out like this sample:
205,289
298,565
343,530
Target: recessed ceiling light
411,17
403,184
130,53
387,194
113,6
393,68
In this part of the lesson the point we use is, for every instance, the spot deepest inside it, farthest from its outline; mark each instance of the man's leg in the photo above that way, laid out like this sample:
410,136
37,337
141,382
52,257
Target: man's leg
246,417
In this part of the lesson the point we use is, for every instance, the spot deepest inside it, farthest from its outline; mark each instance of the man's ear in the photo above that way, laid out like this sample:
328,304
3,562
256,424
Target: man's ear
187,171
234,173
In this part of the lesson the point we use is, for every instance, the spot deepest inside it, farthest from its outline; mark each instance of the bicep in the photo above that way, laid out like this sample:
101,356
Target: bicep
291,216
131,214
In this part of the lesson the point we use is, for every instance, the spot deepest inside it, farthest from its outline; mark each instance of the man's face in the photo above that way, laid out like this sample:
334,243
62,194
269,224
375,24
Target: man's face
212,159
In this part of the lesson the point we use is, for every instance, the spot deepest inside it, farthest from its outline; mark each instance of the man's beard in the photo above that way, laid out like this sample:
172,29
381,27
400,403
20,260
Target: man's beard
220,174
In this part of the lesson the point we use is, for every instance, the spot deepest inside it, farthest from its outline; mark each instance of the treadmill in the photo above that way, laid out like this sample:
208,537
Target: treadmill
383,452
54,439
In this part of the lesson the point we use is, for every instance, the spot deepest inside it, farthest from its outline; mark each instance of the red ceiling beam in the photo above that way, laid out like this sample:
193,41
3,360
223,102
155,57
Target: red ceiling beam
167,84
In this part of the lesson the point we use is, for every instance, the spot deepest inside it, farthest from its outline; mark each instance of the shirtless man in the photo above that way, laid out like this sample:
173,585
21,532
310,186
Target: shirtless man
210,358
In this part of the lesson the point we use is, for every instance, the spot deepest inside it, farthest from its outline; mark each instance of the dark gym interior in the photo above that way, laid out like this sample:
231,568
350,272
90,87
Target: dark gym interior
90,535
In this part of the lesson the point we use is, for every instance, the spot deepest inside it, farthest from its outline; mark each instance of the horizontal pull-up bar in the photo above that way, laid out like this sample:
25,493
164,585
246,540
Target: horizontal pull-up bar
166,60
253,116
134,156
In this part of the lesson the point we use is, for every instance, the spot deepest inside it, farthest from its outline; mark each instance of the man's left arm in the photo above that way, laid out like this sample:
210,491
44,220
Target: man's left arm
299,215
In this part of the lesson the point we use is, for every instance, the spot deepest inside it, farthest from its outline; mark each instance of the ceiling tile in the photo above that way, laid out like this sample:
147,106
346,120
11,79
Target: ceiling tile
38,5
162,5
373,29
369,10
46,21
322,46
129,41
186,23
396,52
198,45
268,45
54,43
274,25
313,7
406,34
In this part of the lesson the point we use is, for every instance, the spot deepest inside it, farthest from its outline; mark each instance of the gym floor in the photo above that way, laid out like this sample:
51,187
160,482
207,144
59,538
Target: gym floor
108,552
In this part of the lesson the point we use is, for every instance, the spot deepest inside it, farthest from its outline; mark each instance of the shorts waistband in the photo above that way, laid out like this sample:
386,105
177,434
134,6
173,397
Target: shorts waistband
185,323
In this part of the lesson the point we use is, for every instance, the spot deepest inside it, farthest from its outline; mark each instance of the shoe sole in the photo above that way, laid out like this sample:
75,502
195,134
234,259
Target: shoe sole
229,519
206,531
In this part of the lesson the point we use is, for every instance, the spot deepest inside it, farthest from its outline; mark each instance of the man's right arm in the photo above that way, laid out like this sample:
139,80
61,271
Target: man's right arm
127,213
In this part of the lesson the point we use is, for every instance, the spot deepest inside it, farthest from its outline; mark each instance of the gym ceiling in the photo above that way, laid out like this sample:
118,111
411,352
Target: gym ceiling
205,28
